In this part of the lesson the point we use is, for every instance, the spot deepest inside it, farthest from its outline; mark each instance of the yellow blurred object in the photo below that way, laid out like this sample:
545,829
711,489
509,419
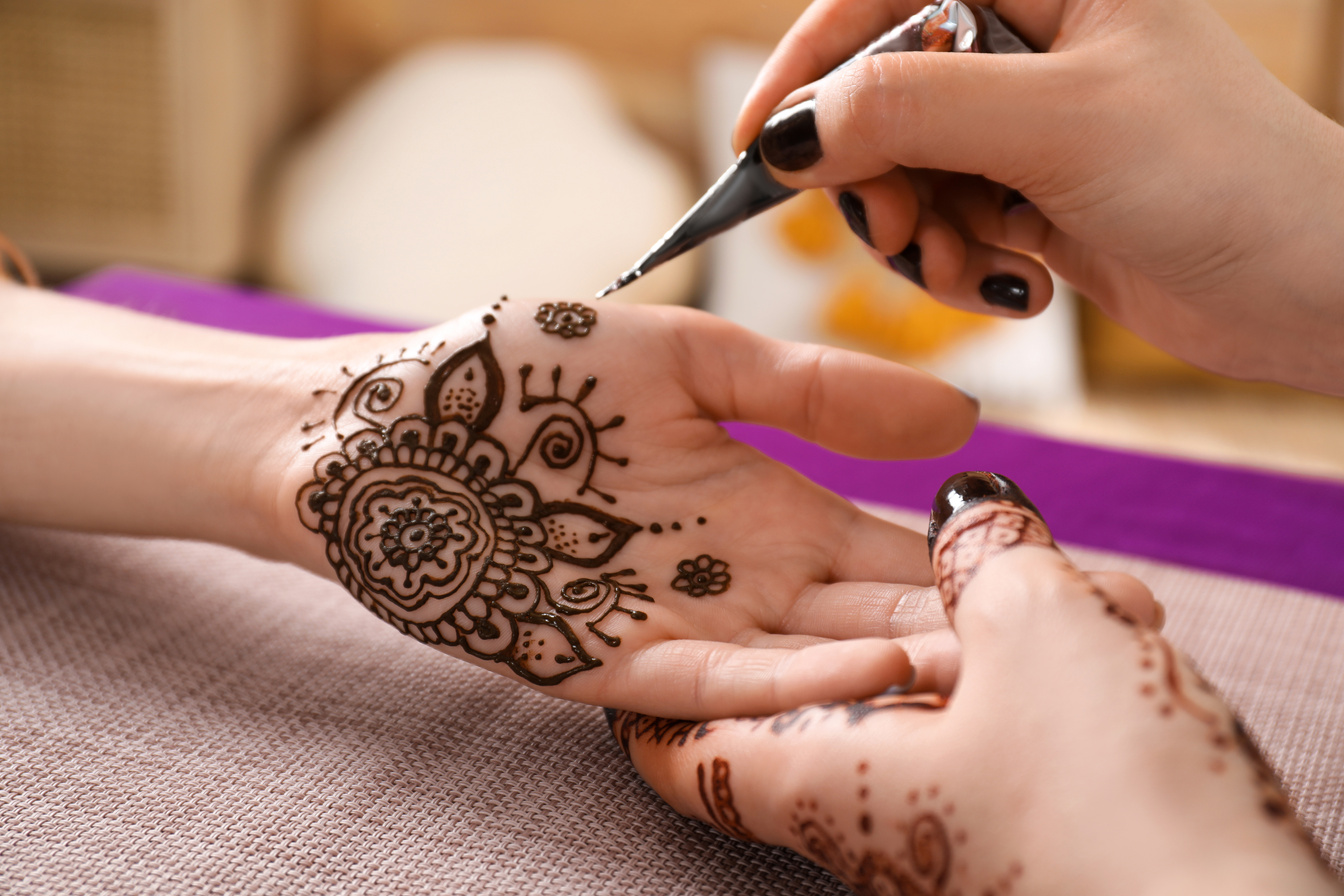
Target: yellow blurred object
895,318
811,226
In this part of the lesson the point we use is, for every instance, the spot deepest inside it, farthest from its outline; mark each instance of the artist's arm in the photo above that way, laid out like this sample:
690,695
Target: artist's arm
1079,752
1171,178
545,492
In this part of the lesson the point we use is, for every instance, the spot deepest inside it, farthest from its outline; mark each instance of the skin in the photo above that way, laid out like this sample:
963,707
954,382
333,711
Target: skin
1174,181
120,422
1079,753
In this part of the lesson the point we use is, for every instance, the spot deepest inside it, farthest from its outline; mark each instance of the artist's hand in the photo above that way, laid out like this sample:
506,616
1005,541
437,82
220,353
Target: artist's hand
1170,177
1079,752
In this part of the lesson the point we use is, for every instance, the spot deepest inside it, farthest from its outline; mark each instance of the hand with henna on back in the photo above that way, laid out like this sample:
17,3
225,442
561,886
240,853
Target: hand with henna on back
541,489
1078,753
1153,163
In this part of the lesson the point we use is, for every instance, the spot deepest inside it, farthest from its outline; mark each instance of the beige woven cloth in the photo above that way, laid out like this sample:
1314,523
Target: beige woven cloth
183,719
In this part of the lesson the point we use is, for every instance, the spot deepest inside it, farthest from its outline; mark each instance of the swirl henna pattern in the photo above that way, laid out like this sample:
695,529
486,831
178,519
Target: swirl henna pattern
429,525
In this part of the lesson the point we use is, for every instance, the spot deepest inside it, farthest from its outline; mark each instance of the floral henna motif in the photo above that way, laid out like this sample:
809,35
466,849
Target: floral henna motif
702,576
976,535
429,526
567,319
716,794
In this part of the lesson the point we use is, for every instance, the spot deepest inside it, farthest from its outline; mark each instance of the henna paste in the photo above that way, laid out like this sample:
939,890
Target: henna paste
716,794
855,711
566,319
432,529
702,576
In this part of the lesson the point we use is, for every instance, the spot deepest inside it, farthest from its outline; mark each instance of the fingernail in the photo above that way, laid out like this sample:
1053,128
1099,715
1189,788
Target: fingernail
1159,615
966,489
975,399
898,689
789,139
856,216
907,264
1014,201
1005,291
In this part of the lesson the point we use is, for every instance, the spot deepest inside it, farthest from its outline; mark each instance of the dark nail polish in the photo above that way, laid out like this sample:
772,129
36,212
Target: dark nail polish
789,140
856,215
907,264
1005,291
611,716
966,489
1013,200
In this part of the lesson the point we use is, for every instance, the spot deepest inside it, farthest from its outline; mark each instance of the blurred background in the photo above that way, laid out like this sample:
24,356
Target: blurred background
409,159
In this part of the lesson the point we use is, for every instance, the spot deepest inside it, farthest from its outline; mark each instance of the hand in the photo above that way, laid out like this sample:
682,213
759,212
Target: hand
545,492
1170,177
1079,752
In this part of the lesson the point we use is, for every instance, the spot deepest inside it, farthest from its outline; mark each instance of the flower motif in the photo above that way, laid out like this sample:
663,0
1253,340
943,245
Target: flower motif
701,576
569,319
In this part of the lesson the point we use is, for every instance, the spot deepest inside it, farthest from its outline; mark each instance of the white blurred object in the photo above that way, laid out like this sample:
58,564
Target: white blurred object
468,171
757,281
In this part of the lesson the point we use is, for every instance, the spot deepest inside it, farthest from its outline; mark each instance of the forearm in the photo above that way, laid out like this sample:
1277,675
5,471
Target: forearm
122,422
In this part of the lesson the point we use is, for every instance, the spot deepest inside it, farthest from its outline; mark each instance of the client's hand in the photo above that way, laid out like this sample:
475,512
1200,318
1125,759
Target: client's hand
1079,752
544,491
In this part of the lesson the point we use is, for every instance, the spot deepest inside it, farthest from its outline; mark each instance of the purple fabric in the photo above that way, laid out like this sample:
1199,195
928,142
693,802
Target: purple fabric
1243,522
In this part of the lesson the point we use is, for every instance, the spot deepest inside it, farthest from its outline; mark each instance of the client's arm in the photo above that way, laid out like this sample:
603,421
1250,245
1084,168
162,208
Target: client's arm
543,490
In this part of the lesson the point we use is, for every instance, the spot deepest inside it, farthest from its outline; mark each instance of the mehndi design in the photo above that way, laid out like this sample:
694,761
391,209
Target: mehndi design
567,319
702,576
429,525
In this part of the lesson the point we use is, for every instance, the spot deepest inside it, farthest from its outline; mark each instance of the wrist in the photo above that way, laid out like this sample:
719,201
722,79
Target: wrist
121,422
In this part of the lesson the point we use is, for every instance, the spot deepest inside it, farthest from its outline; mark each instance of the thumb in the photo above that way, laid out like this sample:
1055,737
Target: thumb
1008,589
975,113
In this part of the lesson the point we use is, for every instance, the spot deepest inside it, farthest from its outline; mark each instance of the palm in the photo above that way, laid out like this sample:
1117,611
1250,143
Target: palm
561,502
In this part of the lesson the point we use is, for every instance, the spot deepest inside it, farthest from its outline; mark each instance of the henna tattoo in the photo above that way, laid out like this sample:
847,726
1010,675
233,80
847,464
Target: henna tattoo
488,319
656,529
1225,732
429,526
855,711
976,535
629,726
590,595
716,794
567,438
923,864
702,576
566,319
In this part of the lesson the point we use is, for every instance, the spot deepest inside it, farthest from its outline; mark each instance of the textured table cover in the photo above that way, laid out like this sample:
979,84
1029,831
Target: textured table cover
181,718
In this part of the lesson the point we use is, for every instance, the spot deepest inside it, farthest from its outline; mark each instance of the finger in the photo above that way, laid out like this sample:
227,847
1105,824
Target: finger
817,392
1130,595
689,679
748,777
865,610
992,213
831,31
892,109
780,641
881,211
965,273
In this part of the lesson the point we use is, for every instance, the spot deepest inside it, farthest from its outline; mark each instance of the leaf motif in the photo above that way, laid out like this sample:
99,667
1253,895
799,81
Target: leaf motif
548,651
582,535
469,385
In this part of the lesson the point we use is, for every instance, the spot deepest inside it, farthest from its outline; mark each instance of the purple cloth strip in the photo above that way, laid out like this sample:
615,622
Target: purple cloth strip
1243,522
